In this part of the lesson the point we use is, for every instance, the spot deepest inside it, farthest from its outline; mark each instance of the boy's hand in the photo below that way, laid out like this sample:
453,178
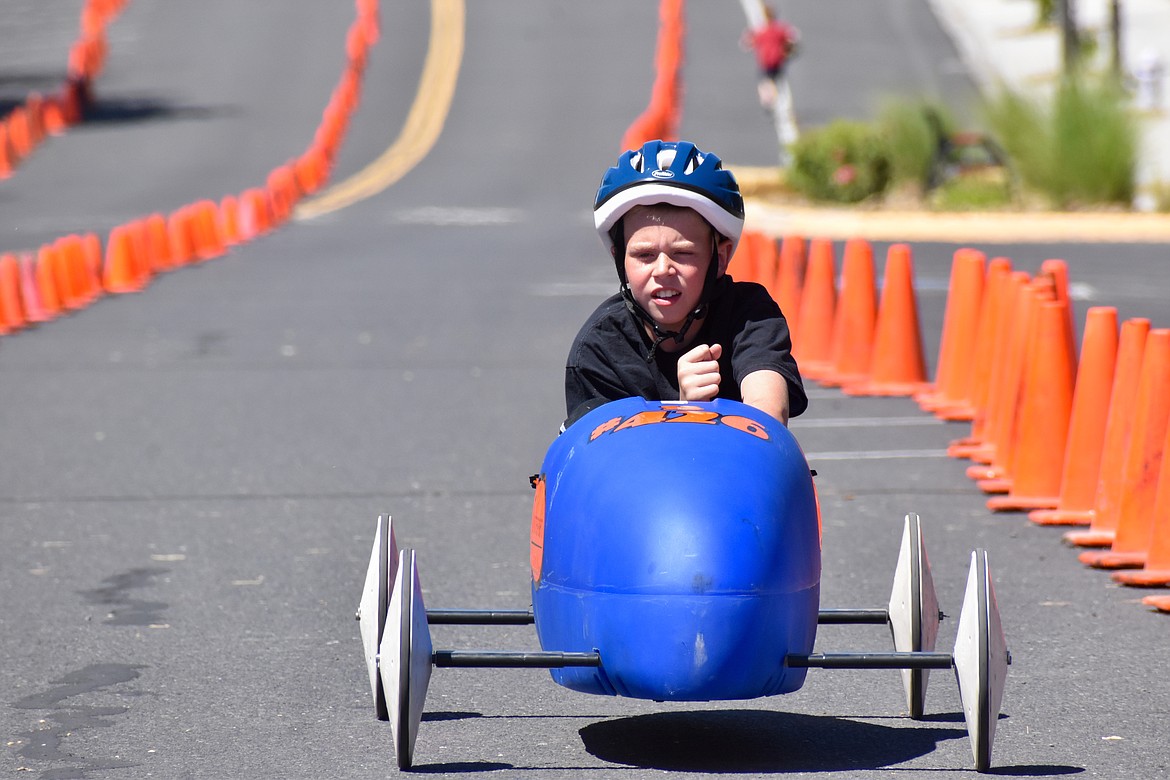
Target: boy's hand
698,373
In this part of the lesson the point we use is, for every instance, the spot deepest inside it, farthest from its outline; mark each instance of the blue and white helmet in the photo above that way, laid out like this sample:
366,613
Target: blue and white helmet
671,172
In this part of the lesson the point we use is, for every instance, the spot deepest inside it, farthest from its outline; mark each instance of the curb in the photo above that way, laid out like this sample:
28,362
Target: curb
768,216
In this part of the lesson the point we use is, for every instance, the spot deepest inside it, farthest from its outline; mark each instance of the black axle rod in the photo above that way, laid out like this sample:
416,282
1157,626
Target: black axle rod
524,617
871,661
480,659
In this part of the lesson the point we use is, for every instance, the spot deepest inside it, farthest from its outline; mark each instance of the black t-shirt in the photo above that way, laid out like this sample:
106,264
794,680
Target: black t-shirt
608,360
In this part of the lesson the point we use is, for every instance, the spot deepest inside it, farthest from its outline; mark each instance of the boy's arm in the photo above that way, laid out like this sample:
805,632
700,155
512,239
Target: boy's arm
766,390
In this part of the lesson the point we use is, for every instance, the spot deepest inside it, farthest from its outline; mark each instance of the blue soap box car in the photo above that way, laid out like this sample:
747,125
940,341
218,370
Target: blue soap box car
676,556
690,527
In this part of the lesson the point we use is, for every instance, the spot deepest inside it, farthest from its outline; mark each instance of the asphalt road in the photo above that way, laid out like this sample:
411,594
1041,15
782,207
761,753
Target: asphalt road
191,475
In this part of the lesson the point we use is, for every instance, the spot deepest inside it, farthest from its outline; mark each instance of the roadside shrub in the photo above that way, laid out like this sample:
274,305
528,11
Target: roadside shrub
1082,149
842,162
1096,143
910,132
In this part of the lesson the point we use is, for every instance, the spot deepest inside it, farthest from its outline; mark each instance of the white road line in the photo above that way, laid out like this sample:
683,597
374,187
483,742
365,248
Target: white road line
800,423
875,455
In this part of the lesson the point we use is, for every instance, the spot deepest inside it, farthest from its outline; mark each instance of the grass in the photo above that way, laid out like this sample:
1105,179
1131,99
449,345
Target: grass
1079,150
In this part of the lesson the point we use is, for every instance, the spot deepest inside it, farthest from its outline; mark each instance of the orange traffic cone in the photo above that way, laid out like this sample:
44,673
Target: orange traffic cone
71,271
332,127
856,316
897,366
1157,565
30,294
1119,426
140,241
282,193
120,273
84,265
818,302
46,282
11,308
785,290
229,221
1135,521
8,160
368,15
998,269
767,260
743,262
254,218
1045,408
179,236
356,46
312,170
1004,292
34,104
92,249
50,257
1160,603
1058,271
206,228
20,133
159,244
996,453
952,384
54,116
1086,430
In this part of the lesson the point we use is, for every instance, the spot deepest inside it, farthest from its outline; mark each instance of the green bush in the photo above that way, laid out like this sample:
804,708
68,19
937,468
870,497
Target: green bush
911,138
842,162
1080,150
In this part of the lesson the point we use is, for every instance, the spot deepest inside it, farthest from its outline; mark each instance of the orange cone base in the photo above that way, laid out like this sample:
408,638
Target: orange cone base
832,379
883,388
994,485
1089,538
1160,603
930,398
984,454
1107,559
1143,578
984,472
1021,503
963,448
1062,516
959,412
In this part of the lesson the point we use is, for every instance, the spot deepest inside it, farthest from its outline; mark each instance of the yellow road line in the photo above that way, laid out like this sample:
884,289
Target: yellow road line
428,113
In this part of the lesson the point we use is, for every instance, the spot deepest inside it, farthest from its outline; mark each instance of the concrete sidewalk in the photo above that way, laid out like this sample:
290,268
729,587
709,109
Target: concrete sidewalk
1001,44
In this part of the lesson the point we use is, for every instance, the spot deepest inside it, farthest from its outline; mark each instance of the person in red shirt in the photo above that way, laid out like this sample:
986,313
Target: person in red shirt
774,43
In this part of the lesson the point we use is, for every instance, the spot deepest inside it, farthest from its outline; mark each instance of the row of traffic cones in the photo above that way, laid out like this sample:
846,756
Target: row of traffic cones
661,117
39,116
1070,440
74,271
843,337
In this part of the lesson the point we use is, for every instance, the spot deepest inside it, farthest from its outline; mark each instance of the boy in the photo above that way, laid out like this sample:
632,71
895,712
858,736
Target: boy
680,328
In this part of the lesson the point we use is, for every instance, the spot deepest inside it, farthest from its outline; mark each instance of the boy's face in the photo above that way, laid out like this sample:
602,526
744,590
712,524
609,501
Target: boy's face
668,250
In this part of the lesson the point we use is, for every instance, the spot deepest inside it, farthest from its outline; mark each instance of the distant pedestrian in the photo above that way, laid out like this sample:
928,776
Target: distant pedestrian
774,43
